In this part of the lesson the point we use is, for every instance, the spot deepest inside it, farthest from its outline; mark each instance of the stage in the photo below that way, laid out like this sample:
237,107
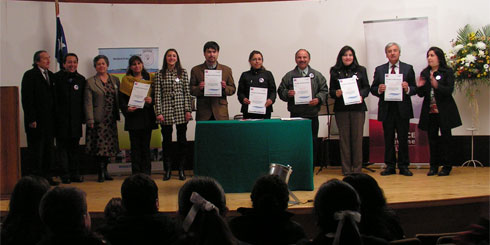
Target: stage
465,186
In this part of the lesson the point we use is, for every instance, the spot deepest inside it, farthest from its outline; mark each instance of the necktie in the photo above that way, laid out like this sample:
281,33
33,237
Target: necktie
303,73
393,69
46,76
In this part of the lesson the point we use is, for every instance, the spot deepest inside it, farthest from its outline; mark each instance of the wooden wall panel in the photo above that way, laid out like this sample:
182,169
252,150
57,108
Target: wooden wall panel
9,139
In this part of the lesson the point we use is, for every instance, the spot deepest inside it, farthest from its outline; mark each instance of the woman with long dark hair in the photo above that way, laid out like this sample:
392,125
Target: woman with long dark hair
23,224
173,106
349,118
101,104
439,111
139,121
256,77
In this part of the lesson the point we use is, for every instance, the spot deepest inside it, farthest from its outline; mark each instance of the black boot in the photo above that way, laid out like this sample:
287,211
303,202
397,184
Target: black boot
106,174
181,168
100,172
167,168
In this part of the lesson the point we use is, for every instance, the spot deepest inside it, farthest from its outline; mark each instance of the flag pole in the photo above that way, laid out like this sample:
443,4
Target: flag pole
57,13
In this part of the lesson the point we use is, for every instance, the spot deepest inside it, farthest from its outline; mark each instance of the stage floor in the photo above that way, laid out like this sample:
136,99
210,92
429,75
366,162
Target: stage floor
464,185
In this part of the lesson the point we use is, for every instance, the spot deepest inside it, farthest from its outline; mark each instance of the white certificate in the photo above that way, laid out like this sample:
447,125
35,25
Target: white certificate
394,90
350,91
212,83
137,98
257,97
302,89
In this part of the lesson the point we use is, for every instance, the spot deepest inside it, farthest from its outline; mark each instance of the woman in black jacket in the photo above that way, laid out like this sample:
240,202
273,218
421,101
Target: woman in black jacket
138,121
439,111
349,118
256,77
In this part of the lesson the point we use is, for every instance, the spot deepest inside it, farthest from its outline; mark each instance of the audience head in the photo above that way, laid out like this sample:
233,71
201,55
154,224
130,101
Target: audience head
337,202
206,187
345,58
302,58
136,66
436,58
139,195
64,210
371,195
70,62
270,194
211,52
208,225
392,51
25,198
113,209
41,59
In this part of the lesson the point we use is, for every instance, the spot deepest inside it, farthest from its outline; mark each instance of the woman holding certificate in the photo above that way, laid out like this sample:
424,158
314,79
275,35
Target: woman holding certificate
173,106
137,107
256,89
439,111
349,86
101,104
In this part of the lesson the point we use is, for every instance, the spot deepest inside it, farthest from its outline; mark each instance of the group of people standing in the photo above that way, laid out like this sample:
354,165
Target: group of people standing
56,106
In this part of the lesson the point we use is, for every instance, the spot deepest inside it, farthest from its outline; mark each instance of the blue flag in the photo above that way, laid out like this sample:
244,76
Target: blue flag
61,48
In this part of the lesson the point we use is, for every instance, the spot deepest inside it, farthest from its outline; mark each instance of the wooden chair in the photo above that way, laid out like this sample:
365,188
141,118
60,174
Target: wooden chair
407,241
431,239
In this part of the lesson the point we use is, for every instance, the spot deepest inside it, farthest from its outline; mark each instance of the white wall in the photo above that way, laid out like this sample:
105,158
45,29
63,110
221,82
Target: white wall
278,29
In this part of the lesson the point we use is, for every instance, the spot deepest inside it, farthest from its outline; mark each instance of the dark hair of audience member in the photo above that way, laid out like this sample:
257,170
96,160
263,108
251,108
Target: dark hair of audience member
139,195
113,209
208,227
64,210
23,224
270,195
377,219
334,196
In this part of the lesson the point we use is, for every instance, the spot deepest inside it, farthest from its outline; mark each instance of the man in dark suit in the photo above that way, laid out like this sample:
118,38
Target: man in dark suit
69,117
38,104
211,108
395,115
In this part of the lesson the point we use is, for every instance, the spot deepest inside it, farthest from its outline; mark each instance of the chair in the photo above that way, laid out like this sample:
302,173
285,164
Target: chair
431,239
446,240
407,241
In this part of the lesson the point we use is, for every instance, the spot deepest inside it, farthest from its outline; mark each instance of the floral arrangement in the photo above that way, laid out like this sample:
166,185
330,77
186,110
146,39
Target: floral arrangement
471,63
469,56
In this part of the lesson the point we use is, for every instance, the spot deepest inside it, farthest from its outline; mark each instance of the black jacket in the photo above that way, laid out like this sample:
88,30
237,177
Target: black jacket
362,84
143,118
259,79
404,107
69,114
38,101
257,228
448,111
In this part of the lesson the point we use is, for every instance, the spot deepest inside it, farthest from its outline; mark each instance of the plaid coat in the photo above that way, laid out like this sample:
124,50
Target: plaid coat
172,96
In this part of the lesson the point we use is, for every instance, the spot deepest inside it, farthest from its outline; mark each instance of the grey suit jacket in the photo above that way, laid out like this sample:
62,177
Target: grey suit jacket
94,99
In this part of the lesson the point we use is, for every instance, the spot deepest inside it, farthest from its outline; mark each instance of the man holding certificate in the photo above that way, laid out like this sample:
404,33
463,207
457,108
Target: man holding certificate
394,83
305,90
211,83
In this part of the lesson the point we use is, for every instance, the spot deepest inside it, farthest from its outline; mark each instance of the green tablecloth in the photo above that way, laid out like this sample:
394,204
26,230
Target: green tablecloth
236,153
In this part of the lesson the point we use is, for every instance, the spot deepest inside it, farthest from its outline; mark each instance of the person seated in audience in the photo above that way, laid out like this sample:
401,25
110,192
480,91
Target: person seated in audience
377,219
202,208
477,234
23,216
64,212
112,211
336,208
267,222
141,222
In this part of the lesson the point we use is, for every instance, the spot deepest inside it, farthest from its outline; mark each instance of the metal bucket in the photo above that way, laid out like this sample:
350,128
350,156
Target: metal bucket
284,172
